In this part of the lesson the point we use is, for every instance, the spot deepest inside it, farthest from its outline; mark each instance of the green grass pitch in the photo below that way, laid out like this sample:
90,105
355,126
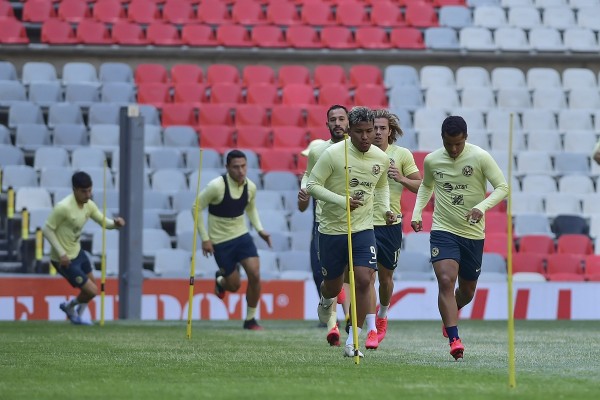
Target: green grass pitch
291,360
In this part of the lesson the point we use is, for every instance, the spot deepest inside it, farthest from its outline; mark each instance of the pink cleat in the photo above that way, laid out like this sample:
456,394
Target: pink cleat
333,337
381,324
372,342
457,349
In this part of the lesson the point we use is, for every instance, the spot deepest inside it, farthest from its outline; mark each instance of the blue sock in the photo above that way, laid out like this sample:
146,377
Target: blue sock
452,333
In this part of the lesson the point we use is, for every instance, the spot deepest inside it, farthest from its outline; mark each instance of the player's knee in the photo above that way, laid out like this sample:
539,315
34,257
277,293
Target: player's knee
446,282
467,293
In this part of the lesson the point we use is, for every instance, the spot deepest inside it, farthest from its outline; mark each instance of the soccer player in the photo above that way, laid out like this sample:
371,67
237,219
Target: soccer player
228,197
596,153
337,123
403,173
63,230
457,174
367,168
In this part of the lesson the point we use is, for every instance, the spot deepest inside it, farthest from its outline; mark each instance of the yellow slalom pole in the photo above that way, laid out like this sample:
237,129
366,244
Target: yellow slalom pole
350,259
512,382
103,256
193,264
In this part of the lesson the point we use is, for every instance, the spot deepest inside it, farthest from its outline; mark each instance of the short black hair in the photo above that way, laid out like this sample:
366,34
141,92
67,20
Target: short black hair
454,125
81,180
234,154
335,107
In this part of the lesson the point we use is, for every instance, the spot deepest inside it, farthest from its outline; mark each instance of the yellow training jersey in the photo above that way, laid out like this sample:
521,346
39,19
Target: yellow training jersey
313,156
327,183
459,185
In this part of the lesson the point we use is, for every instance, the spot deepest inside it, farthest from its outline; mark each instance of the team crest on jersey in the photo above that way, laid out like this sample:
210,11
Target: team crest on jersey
323,271
467,170
79,280
353,182
435,252
376,169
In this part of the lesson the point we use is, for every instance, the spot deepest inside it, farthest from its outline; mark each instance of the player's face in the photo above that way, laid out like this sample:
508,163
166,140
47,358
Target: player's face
82,196
362,135
337,123
237,169
454,145
382,132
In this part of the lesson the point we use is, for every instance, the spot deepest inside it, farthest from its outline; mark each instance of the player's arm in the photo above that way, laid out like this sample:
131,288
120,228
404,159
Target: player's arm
423,195
494,174
252,213
381,200
99,218
303,195
316,182
596,153
209,194
52,223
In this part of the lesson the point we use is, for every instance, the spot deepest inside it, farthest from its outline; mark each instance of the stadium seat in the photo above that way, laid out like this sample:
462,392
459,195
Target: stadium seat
154,240
210,158
334,94
286,115
108,11
303,37
146,73
213,12
186,73
407,38
142,12
290,137
372,96
233,36
351,13
24,113
156,94
190,93
420,15
565,267
386,14
115,72
476,39
70,136
248,12
268,36
532,224
258,73
128,34
524,17
250,115
337,37
417,242
33,198
277,160
169,181
365,75
580,40
414,266
472,77
8,71
92,32
317,14
372,37
226,93
298,94
293,74
569,224
217,137
37,11
256,138
180,136
539,244
282,13
456,17
87,157
441,39
178,12
172,263
224,73
119,93
329,75
161,34
280,181
529,262
214,114
497,243
6,10
198,35
574,244
264,94
592,268
178,114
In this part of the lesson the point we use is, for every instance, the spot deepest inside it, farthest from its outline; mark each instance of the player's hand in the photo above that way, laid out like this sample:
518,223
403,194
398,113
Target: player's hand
390,218
303,199
417,225
474,216
354,203
266,237
207,248
65,261
394,173
119,222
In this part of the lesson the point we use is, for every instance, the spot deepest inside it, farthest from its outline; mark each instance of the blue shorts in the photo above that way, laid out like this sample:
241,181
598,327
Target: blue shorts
468,253
389,240
228,254
78,270
333,252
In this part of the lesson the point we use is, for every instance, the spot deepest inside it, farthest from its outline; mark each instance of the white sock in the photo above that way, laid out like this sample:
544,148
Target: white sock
72,303
350,340
370,320
383,311
327,302
221,280
250,313
81,309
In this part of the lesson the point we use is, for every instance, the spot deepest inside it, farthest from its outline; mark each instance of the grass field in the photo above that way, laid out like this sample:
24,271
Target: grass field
291,360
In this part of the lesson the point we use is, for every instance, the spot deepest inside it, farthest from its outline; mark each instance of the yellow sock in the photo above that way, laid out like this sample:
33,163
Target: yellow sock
250,313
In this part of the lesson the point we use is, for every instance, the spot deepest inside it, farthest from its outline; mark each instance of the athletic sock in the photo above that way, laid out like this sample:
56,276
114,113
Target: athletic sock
350,339
370,320
383,311
81,309
72,303
452,333
250,313
327,302
221,280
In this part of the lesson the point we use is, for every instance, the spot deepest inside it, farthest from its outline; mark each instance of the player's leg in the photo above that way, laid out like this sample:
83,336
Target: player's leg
247,255
314,259
227,278
77,273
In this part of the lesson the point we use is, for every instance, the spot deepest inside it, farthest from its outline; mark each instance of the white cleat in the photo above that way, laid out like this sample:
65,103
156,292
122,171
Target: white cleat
349,351
328,315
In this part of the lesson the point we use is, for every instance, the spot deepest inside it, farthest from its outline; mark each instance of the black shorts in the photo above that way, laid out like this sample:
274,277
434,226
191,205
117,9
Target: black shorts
389,240
468,253
333,252
78,270
228,254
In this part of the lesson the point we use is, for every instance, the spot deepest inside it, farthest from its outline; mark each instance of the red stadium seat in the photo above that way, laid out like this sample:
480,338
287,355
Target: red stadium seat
407,38
213,12
128,33
108,11
156,94
303,37
222,73
198,35
574,244
292,138
178,12
282,13
262,93
73,10
252,74
215,114
297,74
497,243
352,13
6,10
337,37
178,114
372,96
372,37
142,12
284,115
334,94
496,223
592,268
316,116
226,93
219,138
38,11
161,34
233,36
419,157
277,160
54,31
365,75
191,93
92,32
442,3
386,14
255,138
268,36
250,115
536,244
186,73
13,32
420,15
329,75
247,12
529,262
317,13
565,267
298,94
318,133
145,73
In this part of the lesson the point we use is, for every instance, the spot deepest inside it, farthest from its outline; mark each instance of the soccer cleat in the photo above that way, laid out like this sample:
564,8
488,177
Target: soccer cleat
252,325
70,311
219,291
333,337
372,341
457,349
381,324
349,351
444,333
341,297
